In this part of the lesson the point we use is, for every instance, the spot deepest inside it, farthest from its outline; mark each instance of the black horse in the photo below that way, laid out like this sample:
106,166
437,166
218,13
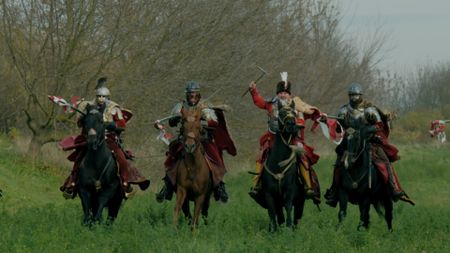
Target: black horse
280,178
361,184
99,183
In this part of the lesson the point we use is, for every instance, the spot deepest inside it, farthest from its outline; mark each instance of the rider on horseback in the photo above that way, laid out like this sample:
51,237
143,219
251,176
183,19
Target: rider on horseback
215,139
115,121
359,113
304,111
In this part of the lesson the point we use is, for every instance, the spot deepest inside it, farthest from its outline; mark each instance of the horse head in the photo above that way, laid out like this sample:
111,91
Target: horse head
287,119
191,129
93,127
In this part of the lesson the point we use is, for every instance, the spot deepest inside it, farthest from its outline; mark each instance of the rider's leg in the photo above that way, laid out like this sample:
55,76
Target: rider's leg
397,192
220,192
166,191
331,194
256,182
123,166
68,188
306,176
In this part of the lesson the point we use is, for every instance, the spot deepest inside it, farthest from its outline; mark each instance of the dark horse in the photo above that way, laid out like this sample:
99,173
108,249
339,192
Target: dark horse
361,182
99,183
194,182
280,178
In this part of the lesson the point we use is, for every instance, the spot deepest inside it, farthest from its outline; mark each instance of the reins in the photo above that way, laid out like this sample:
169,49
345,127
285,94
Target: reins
356,182
286,164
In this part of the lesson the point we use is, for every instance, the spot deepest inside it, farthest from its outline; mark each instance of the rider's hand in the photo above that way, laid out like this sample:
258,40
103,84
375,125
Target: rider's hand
252,85
158,125
323,117
111,126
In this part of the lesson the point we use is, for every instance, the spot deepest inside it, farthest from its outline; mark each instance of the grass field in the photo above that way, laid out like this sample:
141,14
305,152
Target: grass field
35,218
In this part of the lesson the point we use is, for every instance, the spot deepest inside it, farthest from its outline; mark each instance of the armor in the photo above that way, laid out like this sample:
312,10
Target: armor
355,89
273,115
192,93
176,111
351,117
103,91
192,86
112,110
372,115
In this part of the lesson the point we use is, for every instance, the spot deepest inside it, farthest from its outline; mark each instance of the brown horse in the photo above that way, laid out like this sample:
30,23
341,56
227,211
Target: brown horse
194,181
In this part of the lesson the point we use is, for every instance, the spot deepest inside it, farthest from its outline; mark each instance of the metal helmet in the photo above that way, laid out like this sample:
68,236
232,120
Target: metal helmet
192,86
355,89
102,91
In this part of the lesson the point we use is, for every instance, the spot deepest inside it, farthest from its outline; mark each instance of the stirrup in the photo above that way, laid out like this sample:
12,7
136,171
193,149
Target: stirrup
68,194
130,192
160,196
309,193
406,199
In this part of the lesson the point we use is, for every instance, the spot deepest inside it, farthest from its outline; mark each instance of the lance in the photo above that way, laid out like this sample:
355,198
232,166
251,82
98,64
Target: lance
62,102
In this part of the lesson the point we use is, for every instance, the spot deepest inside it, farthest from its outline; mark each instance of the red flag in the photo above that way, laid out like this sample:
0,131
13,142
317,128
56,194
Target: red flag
332,130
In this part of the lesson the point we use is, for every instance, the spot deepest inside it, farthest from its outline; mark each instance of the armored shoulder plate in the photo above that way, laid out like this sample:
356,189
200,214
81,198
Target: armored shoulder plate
352,117
209,114
176,111
342,112
83,104
112,108
372,115
271,100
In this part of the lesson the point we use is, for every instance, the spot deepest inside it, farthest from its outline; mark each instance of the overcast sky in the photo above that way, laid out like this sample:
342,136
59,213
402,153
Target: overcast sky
418,30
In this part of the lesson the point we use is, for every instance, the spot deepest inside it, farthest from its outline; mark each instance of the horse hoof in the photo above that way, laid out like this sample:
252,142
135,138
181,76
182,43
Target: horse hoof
363,228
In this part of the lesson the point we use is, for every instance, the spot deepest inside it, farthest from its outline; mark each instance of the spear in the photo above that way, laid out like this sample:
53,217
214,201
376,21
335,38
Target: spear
62,102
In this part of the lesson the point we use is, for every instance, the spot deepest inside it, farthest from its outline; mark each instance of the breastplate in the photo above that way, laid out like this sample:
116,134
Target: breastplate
273,119
355,117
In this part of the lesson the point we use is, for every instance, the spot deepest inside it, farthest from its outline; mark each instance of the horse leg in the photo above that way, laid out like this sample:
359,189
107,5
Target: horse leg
343,202
288,208
272,212
102,201
364,216
187,211
199,200
298,210
181,196
388,209
205,209
280,215
85,198
113,207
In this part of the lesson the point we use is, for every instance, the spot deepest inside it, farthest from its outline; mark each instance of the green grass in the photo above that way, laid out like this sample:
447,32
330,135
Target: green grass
35,218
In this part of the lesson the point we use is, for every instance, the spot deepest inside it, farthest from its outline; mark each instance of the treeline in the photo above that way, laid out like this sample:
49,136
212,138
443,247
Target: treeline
149,49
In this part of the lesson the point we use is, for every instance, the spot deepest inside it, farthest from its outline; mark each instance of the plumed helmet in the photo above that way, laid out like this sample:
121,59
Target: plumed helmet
355,89
192,86
102,91
284,86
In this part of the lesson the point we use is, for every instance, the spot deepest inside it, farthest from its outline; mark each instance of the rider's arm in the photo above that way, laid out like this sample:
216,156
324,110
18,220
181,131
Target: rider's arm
209,118
258,100
173,122
119,121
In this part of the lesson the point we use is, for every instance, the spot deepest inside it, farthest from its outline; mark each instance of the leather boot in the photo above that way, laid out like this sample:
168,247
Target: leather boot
331,196
306,176
220,193
166,191
128,190
68,188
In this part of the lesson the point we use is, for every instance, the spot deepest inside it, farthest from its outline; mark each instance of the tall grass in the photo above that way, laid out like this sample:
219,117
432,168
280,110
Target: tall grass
35,218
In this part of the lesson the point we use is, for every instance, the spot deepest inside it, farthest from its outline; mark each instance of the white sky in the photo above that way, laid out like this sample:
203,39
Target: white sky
418,31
